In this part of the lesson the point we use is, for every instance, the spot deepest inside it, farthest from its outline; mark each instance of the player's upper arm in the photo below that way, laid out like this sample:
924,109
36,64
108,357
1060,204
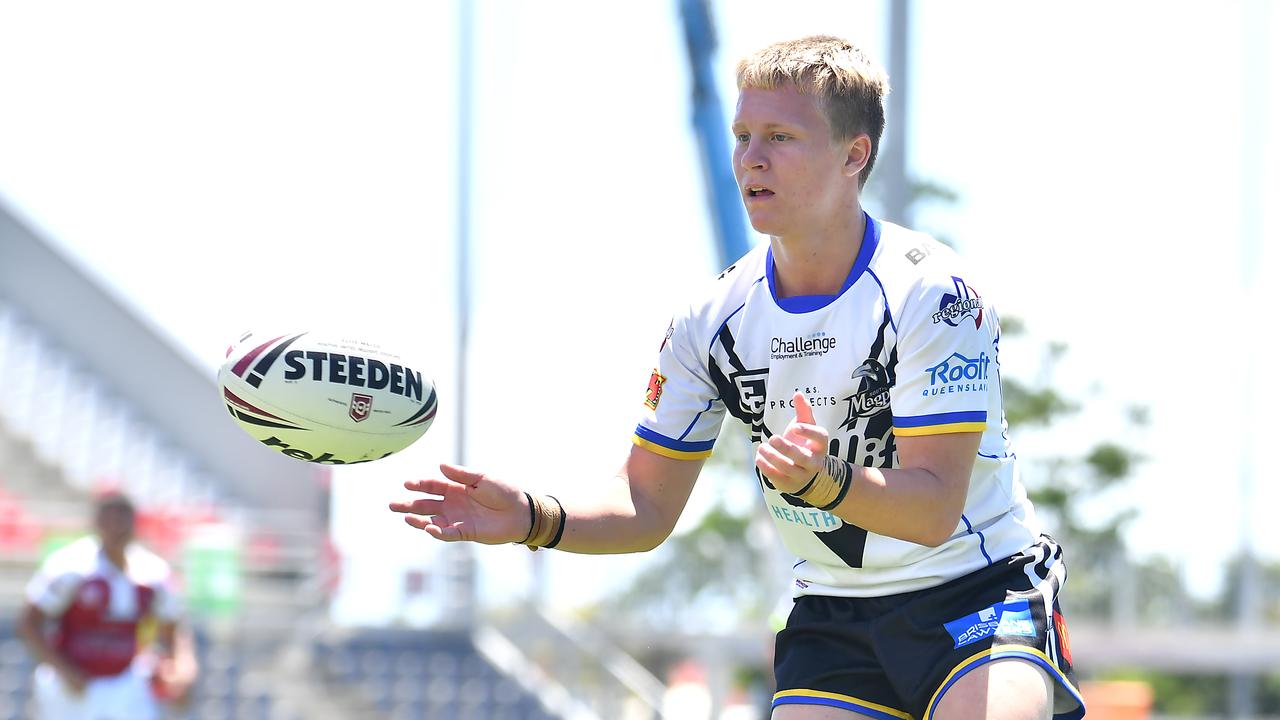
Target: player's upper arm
660,488
949,457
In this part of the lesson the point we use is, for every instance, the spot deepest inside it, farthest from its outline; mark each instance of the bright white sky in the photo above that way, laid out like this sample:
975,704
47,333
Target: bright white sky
293,163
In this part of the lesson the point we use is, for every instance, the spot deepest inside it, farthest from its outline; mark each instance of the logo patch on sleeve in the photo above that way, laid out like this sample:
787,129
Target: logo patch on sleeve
654,393
1012,618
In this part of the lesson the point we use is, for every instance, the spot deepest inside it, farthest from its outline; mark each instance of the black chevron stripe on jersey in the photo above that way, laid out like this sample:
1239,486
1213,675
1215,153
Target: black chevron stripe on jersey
881,424
726,341
728,393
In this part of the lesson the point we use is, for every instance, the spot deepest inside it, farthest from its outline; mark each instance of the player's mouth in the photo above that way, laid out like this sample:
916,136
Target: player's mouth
757,192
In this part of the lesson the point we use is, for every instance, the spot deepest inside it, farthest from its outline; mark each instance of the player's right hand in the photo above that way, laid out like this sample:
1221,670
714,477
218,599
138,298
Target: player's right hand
790,460
470,506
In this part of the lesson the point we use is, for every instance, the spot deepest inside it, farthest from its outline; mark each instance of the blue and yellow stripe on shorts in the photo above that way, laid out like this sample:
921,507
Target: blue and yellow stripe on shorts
836,700
1022,652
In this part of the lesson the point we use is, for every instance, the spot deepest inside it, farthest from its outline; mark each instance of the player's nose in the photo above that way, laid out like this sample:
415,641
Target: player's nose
751,157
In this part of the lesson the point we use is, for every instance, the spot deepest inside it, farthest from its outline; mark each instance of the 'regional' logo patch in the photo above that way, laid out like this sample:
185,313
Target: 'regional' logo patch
965,303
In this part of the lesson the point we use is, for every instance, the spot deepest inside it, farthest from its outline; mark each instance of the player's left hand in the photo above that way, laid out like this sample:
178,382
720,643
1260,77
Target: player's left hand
790,460
470,506
170,684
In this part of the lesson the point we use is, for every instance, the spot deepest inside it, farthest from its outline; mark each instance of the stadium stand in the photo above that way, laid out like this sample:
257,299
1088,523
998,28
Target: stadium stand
421,674
94,398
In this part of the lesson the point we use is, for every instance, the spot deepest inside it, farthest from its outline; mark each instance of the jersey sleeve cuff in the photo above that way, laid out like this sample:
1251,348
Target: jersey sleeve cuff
940,424
670,447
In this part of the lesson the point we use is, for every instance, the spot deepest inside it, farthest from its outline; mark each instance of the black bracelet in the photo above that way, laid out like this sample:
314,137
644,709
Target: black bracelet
806,487
529,535
560,530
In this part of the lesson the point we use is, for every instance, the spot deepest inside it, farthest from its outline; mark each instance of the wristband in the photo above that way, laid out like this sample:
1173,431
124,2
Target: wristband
548,523
845,471
532,520
560,530
829,486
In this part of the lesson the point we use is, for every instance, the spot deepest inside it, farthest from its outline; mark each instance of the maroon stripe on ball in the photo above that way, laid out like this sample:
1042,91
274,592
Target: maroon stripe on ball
248,359
244,417
428,409
237,400
431,416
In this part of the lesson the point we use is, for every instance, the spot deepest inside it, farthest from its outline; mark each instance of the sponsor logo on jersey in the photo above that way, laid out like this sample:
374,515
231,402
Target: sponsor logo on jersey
872,397
751,385
915,255
814,345
810,518
958,374
361,406
965,303
91,595
1010,618
815,401
654,393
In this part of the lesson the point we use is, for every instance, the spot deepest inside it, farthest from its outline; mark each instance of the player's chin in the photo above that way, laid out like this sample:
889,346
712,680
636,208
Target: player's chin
766,222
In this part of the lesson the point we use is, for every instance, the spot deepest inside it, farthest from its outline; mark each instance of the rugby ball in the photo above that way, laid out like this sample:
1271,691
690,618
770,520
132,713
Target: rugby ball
326,398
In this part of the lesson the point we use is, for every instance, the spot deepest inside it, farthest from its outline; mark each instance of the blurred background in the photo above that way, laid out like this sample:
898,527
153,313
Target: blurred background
522,193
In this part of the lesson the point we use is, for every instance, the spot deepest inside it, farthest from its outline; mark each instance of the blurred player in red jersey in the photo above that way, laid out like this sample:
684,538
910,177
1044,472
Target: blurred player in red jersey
96,595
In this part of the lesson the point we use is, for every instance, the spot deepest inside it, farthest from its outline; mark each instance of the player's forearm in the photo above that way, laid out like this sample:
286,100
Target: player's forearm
32,635
176,643
909,504
617,520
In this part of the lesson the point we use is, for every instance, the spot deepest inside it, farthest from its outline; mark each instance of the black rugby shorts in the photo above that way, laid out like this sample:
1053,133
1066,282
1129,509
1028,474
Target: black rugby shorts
894,657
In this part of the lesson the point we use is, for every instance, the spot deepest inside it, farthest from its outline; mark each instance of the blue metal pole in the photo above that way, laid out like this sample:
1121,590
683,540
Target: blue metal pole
713,133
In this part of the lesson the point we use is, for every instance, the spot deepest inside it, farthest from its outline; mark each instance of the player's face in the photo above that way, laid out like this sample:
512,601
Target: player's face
115,525
791,173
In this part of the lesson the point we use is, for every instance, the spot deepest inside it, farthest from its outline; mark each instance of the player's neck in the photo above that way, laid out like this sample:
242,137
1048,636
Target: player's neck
116,554
818,262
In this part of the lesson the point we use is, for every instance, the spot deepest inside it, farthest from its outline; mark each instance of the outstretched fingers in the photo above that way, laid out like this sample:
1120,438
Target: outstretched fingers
440,528
485,490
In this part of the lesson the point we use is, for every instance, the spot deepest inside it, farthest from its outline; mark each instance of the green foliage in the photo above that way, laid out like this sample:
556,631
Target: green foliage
709,575
1063,488
1110,462
1028,406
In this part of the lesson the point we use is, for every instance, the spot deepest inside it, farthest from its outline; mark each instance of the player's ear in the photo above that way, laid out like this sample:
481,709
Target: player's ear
857,153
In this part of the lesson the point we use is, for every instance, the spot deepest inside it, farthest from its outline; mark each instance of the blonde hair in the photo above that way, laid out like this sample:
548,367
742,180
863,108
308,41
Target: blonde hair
850,88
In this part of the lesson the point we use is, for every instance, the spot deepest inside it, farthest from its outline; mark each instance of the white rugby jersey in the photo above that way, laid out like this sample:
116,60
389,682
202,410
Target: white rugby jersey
908,347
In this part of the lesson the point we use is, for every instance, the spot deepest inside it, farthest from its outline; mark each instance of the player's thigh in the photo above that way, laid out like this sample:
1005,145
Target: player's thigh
815,712
1007,689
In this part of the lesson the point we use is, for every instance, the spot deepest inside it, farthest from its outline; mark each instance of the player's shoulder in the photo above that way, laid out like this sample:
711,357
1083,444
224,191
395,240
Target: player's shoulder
718,298
907,257
79,557
145,566
910,264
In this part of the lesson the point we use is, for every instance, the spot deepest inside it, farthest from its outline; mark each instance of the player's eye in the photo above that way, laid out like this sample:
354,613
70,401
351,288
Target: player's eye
779,137
742,137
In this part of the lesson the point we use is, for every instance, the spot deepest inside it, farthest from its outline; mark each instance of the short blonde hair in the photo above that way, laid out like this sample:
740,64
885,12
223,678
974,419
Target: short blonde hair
850,88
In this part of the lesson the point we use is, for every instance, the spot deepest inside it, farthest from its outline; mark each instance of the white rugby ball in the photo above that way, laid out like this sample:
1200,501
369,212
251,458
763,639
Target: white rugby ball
326,398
